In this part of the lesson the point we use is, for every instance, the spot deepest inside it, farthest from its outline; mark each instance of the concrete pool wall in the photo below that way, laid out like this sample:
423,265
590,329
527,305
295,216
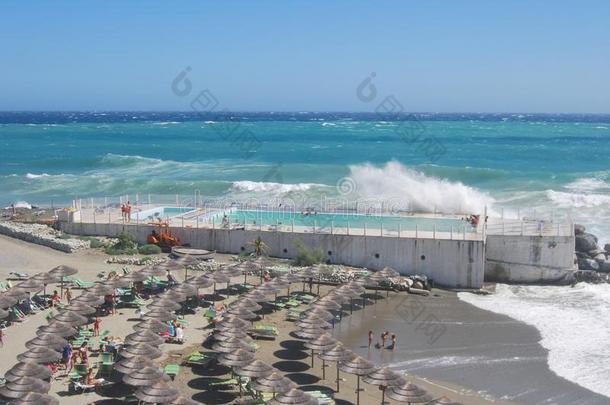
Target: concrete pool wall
451,263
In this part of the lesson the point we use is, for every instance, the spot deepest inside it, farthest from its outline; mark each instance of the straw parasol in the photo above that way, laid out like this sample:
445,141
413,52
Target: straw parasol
152,325
144,336
274,383
17,293
249,304
444,401
384,377
309,332
230,333
199,281
57,328
141,349
114,283
313,320
236,358
256,296
49,340
143,377
6,301
321,344
159,314
255,369
81,308
35,398
309,273
129,365
27,369
158,393
357,366
182,401
232,344
88,299
318,312
409,393
4,314
185,262
294,397
165,304
172,295
101,289
185,289
232,322
328,303
30,285
159,270
60,272
41,355
71,317
241,312
336,354
44,278
22,386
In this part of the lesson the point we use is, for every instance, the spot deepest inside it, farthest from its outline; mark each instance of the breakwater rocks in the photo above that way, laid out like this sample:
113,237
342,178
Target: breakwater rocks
135,261
589,256
42,235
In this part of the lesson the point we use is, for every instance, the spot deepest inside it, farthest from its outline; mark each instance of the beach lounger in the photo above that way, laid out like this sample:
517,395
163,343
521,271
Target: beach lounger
106,364
172,370
78,283
294,314
263,332
15,275
200,359
215,383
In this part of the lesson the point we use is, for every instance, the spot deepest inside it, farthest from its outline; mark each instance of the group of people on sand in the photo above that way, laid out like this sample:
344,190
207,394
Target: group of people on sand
126,212
385,337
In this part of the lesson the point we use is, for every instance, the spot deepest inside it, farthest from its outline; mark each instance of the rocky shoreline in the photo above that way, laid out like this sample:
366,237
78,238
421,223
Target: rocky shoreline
42,235
593,262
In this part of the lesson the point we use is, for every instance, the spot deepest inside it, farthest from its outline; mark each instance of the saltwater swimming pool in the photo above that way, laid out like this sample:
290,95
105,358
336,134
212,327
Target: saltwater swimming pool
153,214
328,220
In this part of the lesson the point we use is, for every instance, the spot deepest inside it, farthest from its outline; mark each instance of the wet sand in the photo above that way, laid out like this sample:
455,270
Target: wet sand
445,339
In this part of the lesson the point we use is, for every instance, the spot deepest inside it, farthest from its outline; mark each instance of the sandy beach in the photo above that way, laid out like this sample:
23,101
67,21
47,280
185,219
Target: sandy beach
422,352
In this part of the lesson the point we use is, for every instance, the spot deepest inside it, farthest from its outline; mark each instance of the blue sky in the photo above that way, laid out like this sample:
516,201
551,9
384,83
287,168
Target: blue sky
438,56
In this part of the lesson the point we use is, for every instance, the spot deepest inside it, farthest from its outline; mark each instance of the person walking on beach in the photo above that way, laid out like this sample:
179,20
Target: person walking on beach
123,212
370,338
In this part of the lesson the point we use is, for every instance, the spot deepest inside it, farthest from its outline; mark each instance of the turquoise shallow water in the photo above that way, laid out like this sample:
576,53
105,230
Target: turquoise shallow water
553,164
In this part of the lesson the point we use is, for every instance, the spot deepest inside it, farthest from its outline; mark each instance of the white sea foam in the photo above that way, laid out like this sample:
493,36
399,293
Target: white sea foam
573,323
328,124
577,200
36,176
396,182
266,187
588,184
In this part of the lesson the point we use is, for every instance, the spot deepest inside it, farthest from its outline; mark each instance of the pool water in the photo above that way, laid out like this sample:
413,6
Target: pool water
327,220
160,212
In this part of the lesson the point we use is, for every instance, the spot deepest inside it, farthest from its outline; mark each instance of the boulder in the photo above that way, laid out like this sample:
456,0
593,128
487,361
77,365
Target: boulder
607,247
600,257
579,229
587,264
586,242
604,267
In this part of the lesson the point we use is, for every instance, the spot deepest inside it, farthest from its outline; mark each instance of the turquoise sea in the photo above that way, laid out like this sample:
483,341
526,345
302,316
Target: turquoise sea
450,162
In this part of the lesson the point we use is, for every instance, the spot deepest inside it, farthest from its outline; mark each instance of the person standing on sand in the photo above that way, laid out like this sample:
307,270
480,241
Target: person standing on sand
96,326
393,344
1,337
68,295
370,338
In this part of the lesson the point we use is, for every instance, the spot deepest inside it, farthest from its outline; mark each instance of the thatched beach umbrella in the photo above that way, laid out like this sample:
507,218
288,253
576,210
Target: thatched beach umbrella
256,296
409,393
135,277
40,355
186,289
44,278
22,386
337,354
100,289
57,328
321,344
328,303
54,342
30,285
81,308
309,332
71,317
152,325
60,272
143,377
294,397
114,283
384,378
6,301
144,336
357,366
249,304
307,275
375,280
164,304
172,295
313,320
230,333
241,312
232,344
444,401
232,322
35,398
236,358
274,383
318,312
88,299
141,349
199,281
17,293
185,262
28,369
161,269
129,365
160,392
254,369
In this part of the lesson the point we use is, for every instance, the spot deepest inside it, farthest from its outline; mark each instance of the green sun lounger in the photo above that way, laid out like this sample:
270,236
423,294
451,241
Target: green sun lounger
199,359
82,284
213,383
172,370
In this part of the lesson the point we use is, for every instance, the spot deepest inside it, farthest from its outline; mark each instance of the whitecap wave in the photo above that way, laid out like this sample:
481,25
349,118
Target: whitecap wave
573,323
417,191
266,187
578,200
588,184
36,176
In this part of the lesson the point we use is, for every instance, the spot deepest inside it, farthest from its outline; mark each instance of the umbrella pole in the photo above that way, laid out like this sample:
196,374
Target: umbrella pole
61,287
382,395
375,295
358,390
186,272
351,305
323,369
311,358
337,377
245,278
319,281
